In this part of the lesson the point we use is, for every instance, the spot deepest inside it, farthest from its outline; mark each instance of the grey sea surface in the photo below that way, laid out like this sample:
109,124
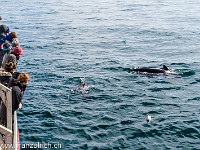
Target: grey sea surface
99,43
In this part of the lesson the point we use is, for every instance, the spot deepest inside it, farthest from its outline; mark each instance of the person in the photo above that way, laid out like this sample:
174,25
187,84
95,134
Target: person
15,43
10,67
18,91
9,58
11,36
6,73
17,94
12,56
5,49
16,49
0,18
18,52
3,29
3,33
5,77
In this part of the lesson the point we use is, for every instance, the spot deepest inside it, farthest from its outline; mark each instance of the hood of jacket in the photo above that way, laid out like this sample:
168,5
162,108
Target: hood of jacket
3,28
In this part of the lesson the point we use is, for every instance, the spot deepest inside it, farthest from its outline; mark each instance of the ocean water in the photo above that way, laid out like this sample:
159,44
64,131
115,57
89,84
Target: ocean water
100,42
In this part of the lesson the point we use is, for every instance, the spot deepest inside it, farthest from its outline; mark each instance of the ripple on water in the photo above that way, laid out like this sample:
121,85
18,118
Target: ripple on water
156,89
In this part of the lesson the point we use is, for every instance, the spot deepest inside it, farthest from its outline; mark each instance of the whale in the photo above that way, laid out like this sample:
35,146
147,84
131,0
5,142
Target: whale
163,70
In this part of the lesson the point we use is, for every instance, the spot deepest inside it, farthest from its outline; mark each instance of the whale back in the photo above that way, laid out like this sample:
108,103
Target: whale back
151,70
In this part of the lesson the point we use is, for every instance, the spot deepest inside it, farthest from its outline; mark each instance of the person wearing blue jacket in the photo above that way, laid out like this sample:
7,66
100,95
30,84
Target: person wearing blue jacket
10,37
3,29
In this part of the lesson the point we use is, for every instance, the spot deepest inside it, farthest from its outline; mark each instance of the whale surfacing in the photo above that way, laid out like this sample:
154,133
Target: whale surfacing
151,70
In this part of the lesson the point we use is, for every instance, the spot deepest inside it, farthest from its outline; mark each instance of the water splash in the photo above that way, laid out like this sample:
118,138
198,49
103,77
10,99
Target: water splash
82,87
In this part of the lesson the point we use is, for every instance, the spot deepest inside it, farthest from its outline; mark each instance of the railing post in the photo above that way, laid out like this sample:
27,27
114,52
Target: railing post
9,109
9,118
15,141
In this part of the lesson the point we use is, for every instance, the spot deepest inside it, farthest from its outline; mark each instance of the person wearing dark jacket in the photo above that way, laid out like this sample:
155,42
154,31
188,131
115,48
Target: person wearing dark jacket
18,91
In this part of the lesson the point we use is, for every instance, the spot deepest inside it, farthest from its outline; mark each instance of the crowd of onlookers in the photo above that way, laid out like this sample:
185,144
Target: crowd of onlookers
10,53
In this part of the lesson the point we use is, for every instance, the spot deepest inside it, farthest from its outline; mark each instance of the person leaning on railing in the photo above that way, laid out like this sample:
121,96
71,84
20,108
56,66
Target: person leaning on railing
18,90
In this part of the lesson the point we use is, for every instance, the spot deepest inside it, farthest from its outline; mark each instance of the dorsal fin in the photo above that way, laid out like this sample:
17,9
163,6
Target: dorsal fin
165,68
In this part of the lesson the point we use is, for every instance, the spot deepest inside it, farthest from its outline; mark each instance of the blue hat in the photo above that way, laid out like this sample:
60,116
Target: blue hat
5,46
